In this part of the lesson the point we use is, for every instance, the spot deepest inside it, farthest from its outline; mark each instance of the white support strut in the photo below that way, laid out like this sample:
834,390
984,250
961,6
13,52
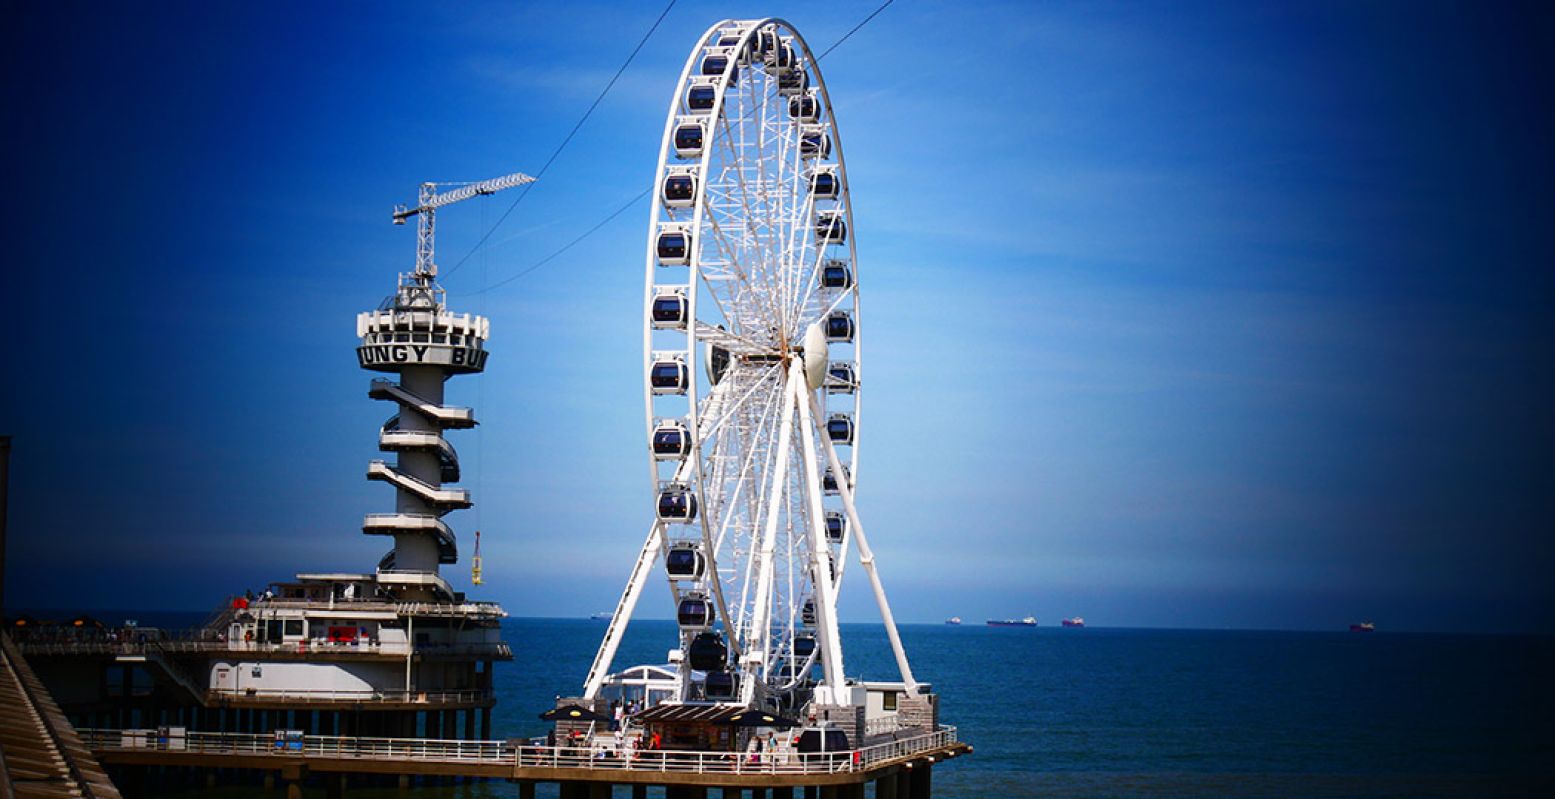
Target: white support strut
826,586
866,559
623,613
761,622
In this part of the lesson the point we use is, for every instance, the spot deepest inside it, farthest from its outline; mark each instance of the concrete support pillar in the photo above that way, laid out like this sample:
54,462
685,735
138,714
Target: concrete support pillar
404,782
335,786
485,724
572,789
469,724
885,786
922,781
812,792
639,791
730,792
903,783
685,792
758,793
269,782
600,790
526,790
783,793
210,779
126,685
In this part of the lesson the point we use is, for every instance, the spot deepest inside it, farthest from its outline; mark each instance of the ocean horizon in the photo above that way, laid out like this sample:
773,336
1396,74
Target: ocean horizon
1136,712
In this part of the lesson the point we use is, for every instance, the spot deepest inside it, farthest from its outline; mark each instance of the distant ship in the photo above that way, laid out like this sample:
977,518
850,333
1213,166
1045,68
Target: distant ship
1363,627
1029,621
1074,622
953,620
600,617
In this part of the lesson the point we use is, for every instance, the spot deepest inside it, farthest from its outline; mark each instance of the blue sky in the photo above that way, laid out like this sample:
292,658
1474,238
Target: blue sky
1190,315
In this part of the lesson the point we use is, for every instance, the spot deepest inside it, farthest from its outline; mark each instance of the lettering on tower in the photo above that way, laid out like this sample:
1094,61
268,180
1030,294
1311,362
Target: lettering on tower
373,355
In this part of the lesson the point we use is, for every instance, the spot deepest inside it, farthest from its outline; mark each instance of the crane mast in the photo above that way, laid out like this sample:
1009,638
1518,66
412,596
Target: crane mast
426,214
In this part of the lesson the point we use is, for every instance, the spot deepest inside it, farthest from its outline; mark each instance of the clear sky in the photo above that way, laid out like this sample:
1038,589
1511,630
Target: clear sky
1191,315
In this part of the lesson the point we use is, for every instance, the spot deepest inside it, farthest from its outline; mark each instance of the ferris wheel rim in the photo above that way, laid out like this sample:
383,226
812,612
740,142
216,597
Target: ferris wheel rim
695,281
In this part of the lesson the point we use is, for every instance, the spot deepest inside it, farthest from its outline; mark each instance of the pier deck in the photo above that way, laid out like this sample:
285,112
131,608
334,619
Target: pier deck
516,760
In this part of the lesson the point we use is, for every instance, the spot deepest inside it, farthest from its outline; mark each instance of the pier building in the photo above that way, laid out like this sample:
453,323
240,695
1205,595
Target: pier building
391,651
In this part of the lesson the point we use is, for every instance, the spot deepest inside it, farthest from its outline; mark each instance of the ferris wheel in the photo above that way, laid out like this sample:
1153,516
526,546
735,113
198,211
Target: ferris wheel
752,358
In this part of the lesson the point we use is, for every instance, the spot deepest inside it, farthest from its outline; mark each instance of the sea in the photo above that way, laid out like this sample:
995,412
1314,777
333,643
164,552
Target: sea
1117,712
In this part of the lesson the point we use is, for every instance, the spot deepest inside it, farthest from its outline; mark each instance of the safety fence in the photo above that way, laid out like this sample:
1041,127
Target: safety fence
523,753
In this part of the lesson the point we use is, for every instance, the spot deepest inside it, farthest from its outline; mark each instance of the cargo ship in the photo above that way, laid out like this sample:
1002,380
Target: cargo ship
1363,627
1029,621
953,620
1074,622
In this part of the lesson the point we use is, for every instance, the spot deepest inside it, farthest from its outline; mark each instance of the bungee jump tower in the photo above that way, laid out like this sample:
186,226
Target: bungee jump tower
394,652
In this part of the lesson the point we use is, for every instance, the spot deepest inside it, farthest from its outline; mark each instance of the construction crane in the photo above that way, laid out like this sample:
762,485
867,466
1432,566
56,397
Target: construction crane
430,201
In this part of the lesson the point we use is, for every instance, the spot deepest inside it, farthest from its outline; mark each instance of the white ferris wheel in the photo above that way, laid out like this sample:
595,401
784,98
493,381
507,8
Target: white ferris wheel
752,356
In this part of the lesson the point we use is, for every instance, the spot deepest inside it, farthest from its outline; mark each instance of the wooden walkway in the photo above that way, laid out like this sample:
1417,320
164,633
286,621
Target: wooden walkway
40,754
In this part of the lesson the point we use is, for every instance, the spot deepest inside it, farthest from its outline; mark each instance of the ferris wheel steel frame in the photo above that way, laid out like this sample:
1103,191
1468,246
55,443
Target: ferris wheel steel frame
759,305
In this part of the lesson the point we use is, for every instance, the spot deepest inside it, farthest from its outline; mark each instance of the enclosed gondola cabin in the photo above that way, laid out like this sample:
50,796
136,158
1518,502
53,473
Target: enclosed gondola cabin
720,686
684,562
717,361
839,428
807,615
701,97
679,190
836,275
765,42
824,185
677,505
777,53
831,227
804,108
841,378
839,327
694,613
671,441
836,526
671,310
669,376
707,652
804,646
814,142
792,81
673,247
714,65
688,140
829,480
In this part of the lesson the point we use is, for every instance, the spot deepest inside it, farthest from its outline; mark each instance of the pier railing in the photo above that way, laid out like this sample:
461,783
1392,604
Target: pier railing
354,696
522,753
496,649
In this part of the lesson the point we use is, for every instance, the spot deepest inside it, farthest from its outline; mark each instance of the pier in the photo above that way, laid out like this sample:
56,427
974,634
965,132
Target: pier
898,768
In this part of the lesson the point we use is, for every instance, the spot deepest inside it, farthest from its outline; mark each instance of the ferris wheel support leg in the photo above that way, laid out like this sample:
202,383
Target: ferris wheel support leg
761,621
826,604
867,559
624,608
